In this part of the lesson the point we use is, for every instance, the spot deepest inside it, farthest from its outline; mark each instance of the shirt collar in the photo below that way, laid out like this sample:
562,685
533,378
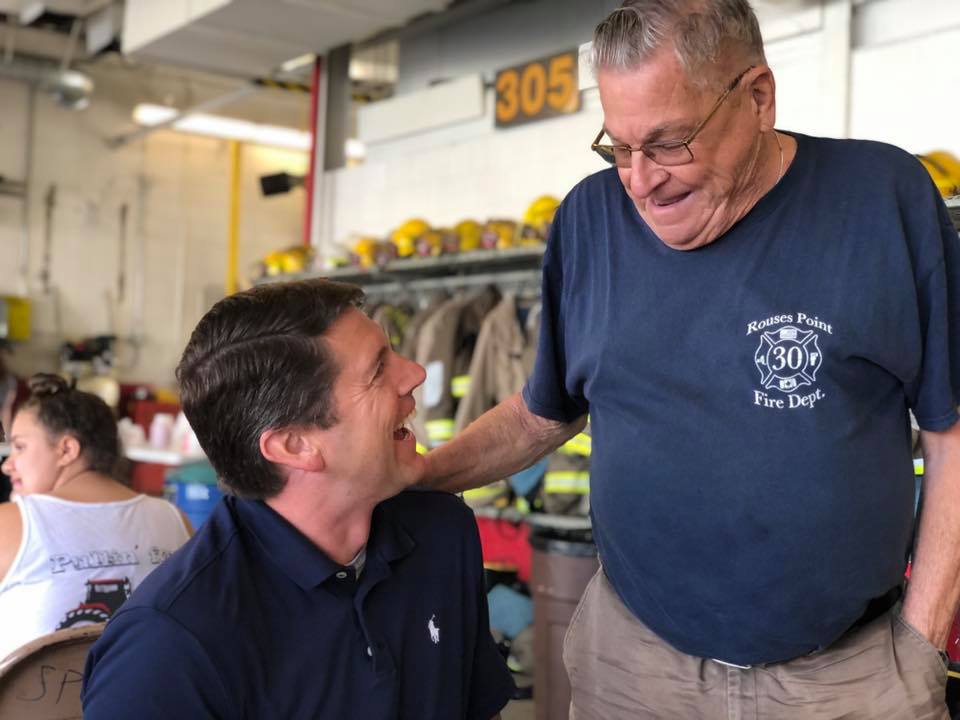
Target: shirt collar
302,561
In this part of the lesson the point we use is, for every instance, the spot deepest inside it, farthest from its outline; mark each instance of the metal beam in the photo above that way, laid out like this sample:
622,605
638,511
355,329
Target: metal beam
433,21
339,103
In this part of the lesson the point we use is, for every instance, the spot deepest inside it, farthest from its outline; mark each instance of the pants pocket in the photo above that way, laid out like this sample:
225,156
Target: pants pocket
920,641
568,637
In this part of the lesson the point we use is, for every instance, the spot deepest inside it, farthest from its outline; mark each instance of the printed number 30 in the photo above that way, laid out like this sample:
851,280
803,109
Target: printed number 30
528,91
792,358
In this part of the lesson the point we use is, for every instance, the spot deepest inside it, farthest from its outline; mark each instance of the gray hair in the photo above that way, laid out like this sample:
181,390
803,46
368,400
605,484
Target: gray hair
702,31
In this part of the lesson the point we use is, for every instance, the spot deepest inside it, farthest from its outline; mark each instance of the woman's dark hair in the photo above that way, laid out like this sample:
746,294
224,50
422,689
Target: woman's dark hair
63,410
256,361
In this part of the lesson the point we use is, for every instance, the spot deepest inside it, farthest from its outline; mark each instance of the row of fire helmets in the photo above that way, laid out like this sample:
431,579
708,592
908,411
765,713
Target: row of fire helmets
417,237
281,262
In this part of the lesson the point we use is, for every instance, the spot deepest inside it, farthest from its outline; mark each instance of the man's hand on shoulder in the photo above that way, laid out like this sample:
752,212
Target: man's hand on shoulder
502,441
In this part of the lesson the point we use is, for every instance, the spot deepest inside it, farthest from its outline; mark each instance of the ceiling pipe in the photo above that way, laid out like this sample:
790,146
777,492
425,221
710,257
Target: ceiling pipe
70,88
71,44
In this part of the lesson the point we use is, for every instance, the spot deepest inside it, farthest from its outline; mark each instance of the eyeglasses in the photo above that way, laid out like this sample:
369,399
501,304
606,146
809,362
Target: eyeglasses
674,152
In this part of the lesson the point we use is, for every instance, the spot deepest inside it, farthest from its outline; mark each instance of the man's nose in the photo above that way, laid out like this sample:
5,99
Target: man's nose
413,376
644,175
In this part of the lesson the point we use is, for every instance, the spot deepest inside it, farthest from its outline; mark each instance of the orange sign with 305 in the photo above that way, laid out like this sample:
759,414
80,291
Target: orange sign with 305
538,89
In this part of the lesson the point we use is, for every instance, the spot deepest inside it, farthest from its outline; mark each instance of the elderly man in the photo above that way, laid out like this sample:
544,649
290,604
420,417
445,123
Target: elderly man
747,314
318,589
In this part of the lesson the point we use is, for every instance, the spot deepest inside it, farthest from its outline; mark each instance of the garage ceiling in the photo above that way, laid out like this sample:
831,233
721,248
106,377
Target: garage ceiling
81,8
250,38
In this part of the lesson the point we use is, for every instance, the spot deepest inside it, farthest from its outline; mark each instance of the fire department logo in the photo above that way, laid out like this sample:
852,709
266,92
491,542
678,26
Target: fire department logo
788,358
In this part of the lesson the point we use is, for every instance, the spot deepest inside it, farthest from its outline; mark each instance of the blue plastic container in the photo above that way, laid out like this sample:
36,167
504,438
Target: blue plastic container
193,488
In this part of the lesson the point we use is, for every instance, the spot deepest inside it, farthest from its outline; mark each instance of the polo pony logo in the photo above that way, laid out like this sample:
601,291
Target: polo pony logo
434,630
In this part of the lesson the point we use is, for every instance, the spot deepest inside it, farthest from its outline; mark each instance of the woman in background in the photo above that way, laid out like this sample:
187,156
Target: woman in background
8,395
74,542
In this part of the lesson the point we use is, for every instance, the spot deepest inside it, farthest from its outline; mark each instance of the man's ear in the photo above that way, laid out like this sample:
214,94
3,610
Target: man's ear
763,93
296,448
68,450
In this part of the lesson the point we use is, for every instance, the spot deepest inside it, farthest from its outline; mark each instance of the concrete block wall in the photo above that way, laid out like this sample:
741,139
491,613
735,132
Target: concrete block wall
478,175
176,188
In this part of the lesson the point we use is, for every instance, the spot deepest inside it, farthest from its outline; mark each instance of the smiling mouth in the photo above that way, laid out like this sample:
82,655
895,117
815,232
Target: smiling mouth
667,202
401,432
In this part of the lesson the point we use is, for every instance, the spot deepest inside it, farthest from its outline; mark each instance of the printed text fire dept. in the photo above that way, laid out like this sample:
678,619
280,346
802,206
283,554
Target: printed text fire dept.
788,358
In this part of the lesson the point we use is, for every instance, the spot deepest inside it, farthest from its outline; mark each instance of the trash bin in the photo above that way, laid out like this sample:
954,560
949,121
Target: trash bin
564,560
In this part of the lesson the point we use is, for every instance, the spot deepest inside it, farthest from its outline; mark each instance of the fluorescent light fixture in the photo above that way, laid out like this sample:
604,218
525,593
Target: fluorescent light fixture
223,127
298,62
146,114
355,149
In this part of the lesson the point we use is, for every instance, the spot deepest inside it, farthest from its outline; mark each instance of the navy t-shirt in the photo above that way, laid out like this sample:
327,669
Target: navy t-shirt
251,620
751,479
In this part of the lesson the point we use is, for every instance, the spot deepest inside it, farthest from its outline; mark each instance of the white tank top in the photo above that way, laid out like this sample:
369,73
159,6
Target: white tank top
77,562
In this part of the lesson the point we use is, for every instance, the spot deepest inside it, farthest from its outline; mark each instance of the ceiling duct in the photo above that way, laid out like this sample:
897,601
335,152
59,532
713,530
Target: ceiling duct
70,88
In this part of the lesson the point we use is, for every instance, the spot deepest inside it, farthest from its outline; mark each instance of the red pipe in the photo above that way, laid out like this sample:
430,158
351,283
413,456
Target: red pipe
314,96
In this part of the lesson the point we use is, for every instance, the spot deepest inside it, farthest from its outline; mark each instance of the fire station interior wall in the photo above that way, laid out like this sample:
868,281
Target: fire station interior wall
509,35
901,71
904,75
176,186
177,190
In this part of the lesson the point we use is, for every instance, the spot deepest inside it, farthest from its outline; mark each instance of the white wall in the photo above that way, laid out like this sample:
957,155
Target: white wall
176,187
904,90
882,69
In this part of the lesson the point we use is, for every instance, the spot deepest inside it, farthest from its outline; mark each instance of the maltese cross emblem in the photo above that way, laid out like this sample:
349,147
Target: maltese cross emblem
788,358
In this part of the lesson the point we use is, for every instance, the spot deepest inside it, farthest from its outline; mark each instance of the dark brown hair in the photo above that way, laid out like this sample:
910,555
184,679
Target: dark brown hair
256,361
61,409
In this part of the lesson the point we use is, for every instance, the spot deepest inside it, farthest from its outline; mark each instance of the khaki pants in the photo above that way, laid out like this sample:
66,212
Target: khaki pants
619,669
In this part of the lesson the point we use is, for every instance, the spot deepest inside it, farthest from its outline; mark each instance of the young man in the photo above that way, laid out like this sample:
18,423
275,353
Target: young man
318,588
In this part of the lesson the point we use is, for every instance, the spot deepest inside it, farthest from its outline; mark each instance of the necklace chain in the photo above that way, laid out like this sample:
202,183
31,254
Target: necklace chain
776,137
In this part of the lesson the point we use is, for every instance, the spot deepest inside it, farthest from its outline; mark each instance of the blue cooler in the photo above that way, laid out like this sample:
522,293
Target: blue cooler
193,488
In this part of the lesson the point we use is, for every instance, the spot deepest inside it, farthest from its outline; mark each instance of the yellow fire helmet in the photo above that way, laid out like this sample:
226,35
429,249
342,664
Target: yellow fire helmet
364,252
469,232
405,237
430,244
540,213
498,234
296,259
271,264
450,241
944,168
506,234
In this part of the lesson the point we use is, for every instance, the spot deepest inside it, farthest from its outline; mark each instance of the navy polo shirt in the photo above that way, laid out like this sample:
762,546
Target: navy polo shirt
251,620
